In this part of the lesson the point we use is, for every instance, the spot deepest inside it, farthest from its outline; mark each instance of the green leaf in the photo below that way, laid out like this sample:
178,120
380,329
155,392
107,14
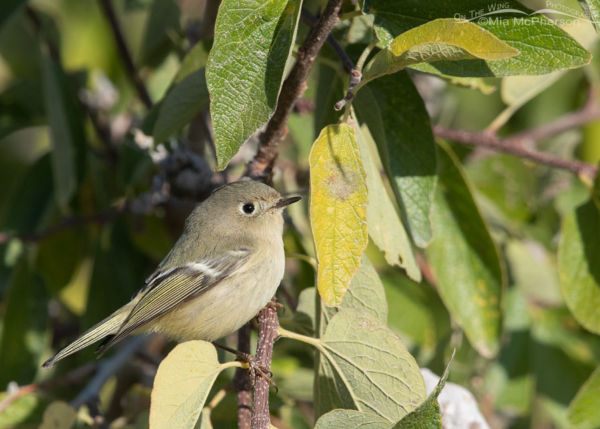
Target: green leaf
59,255
195,60
427,415
31,200
518,90
162,24
23,326
26,409
383,221
344,419
365,294
59,415
579,264
8,8
366,367
253,40
592,10
66,131
441,39
338,209
395,113
543,46
184,101
465,260
583,410
182,384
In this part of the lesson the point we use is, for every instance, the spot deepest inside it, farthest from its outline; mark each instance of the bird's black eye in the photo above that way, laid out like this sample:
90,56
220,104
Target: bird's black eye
248,208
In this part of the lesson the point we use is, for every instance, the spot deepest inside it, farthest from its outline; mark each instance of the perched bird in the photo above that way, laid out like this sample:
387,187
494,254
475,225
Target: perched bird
221,272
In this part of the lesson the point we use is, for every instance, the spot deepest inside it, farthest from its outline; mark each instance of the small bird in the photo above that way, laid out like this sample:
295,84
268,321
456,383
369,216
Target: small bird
221,272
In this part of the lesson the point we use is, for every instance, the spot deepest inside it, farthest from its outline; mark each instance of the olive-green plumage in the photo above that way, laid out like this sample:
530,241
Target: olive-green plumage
224,268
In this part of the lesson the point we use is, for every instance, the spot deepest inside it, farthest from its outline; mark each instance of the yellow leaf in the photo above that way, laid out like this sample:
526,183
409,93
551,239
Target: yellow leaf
441,39
338,209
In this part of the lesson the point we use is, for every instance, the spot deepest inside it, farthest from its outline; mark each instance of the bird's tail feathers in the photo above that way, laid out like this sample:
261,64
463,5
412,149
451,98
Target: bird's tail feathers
107,327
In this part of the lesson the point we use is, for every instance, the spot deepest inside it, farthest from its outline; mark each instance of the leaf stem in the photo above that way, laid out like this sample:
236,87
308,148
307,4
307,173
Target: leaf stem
365,54
350,15
299,337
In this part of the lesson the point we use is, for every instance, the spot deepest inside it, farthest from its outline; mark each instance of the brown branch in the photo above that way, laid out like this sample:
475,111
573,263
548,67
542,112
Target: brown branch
74,377
293,87
109,12
347,63
590,111
66,223
268,325
241,381
511,146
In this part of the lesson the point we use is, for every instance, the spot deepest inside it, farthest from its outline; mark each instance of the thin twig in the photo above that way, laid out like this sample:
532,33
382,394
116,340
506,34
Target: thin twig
590,111
241,382
347,63
492,141
73,377
109,12
267,332
293,87
66,223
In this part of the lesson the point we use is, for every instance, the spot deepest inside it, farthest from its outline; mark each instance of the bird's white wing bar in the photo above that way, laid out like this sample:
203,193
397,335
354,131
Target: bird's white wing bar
175,285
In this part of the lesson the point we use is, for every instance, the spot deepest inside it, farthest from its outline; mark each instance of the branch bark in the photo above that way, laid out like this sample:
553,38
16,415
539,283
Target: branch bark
262,165
241,382
492,141
261,168
268,325
109,12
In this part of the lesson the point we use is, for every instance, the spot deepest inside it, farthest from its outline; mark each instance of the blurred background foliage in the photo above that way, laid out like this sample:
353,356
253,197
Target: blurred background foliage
83,224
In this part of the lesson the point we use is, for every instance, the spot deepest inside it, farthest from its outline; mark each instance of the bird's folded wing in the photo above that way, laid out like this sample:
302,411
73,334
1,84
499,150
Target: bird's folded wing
169,287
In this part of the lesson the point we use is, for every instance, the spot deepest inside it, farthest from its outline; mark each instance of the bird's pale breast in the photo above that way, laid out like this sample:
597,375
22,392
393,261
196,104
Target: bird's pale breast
228,305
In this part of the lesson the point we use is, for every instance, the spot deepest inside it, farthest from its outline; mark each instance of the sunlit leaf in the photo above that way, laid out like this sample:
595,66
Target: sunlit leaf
583,410
465,260
182,384
427,415
518,90
366,367
365,294
579,264
592,10
397,120
383,220
544,47
344,419
27,408
338,206
441,39
253,39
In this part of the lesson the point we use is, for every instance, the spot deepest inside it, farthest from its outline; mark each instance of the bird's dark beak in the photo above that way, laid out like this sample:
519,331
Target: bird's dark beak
285,202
